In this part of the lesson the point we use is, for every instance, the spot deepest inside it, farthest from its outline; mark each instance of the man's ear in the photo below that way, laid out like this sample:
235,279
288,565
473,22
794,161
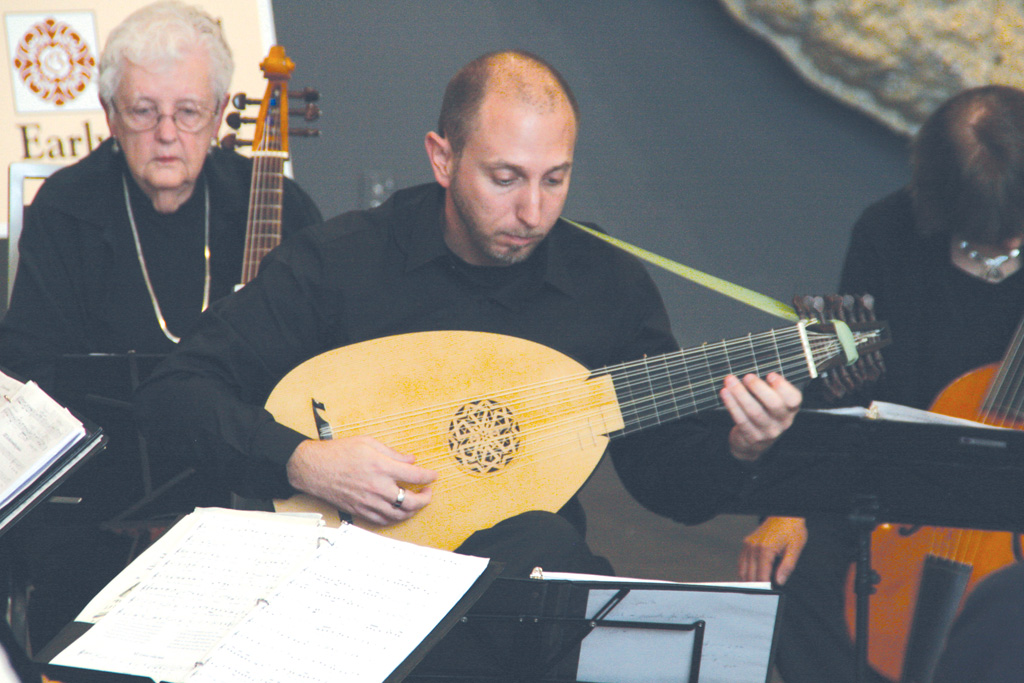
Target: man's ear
442,161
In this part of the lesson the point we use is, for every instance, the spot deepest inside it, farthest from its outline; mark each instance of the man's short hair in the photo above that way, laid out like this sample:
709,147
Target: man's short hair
968,166
161,34
466,90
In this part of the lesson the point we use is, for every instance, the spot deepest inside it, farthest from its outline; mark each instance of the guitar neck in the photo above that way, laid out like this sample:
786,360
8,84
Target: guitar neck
1002,403
263,231
663,388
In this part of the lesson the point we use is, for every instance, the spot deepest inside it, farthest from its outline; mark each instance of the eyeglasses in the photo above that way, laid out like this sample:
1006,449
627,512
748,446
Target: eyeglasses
188,118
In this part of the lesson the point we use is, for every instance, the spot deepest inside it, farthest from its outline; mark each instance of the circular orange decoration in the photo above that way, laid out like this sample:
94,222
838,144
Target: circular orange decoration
54,62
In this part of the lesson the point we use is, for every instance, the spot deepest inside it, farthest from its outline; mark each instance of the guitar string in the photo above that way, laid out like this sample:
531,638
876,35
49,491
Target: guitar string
267,176
542,450
535,447
538,445
546,438
711,398
673,362
549,440
413,422
537,386
1001,402
1005,389
408,418
546,444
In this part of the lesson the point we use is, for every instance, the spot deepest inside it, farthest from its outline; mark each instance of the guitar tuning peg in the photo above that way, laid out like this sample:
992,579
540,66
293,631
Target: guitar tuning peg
307,94
230,141
240,101
235,120
310,112
305,132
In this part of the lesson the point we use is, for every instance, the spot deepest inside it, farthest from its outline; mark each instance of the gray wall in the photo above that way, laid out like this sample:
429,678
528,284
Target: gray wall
697,142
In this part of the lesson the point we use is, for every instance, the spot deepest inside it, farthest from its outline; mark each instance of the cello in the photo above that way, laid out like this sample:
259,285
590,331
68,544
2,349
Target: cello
925,572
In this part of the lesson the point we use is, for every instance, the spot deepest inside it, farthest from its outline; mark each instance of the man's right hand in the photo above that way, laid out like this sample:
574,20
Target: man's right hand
361,476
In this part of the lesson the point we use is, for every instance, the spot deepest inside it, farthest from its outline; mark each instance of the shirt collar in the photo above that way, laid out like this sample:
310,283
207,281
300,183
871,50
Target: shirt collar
420,232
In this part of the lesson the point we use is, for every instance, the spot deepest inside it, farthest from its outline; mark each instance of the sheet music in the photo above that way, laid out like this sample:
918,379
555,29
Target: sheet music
34,431
335,624
882,410
212,576
142,566
279,598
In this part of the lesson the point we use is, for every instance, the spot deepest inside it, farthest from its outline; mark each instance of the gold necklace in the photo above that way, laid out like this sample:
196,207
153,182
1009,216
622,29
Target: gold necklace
142,260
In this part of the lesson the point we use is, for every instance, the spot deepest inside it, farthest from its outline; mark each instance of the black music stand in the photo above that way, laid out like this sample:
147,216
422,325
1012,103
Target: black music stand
874,471
596,630
102,385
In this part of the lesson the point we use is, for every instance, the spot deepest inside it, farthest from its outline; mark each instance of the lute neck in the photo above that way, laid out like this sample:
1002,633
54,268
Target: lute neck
659,389
266,191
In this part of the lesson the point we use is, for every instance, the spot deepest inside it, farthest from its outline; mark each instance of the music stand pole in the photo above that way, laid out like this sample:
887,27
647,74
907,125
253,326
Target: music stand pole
864,519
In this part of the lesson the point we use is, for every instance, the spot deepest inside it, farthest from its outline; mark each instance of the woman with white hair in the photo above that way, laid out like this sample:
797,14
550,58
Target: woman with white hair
121,252
124,249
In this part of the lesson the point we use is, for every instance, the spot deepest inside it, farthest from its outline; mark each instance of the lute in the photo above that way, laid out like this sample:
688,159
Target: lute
269,153
511,425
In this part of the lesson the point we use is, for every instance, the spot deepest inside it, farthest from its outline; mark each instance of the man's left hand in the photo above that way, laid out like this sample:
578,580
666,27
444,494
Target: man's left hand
762,409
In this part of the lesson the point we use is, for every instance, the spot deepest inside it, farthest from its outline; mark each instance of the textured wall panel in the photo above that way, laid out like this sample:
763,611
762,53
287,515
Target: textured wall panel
894,59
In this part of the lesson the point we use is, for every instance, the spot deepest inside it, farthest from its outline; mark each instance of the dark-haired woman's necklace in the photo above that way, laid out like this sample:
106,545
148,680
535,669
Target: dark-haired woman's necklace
991,266
142,260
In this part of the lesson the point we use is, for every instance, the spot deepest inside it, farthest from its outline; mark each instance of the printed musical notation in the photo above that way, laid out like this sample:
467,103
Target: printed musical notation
35,430
210,599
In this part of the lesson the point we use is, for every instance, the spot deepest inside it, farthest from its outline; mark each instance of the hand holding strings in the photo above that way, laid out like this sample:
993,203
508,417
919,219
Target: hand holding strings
361,476
762,409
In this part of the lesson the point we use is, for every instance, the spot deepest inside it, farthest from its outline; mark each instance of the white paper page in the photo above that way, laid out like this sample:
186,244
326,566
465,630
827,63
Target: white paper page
34,431
216,574
7,672
354,614
9,385
569,576
737,635
881,410
132,576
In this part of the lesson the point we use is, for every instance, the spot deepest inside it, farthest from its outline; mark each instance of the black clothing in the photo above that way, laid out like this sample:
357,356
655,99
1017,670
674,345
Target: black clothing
79,289
944,323
986,642
369,274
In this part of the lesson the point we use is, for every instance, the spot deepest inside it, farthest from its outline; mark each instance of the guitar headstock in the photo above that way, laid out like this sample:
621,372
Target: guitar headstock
870,335
272,130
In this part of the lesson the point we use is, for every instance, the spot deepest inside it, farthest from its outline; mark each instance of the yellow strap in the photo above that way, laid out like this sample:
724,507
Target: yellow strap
747,296
846,341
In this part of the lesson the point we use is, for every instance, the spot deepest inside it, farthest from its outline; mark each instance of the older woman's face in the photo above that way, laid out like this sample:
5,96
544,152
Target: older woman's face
165,160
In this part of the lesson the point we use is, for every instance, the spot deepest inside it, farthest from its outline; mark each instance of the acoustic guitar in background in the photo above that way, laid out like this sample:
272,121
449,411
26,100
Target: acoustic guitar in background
926,572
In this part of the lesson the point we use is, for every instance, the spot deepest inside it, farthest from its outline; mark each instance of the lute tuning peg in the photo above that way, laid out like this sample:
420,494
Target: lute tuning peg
307,94
235,120
230,141
310,112
240,101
